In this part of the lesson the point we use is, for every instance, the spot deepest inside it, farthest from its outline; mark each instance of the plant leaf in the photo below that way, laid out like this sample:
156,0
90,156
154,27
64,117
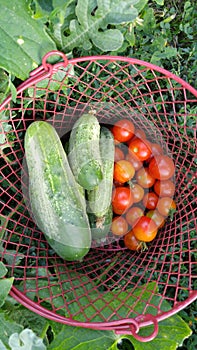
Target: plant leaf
5,286
3,270
7,327
23,39
75,338
91,24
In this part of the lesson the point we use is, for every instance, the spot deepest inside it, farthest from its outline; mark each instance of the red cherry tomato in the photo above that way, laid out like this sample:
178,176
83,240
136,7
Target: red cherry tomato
138,192
161,167
166,206
119,226
145,229
123,171
157,217
122,199
118,154
164,188
144,179
137,164
150,200
140,148
123,130
133,214
131,242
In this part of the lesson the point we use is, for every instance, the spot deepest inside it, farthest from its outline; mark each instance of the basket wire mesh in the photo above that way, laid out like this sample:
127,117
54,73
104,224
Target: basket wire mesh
113,288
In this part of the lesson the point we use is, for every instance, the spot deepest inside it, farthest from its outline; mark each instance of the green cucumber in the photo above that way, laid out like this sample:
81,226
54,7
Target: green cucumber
57,203
99,199
84,153
101,226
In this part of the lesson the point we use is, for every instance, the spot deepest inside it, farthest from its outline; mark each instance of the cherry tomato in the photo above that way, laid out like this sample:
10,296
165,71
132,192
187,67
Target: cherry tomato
156,149
140,148
131,242
118,154
157,217
166,206
164,188
144,178
137,191
133,214
161,167
122,199
137,164
150,200
140,134
123,130
119,226
145,229
123,171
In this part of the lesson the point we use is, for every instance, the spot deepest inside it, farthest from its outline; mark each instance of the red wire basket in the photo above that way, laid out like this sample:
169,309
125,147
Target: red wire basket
113,288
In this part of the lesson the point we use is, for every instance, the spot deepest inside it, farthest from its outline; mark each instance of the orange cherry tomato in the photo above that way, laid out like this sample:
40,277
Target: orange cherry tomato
166,206
123,171
137,164
164,188
144,178
133,215
131,242
137,191
118,154
119,226
145,229
157,217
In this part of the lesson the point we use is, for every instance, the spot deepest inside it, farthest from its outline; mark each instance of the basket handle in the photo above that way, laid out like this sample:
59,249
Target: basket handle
48,68
131,326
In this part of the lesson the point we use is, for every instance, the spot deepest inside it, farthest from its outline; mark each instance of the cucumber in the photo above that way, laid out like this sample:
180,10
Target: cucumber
57,202
101,226
84,153
99,199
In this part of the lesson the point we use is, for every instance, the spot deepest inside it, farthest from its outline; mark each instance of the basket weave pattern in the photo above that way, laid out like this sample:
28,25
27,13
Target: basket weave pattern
82,293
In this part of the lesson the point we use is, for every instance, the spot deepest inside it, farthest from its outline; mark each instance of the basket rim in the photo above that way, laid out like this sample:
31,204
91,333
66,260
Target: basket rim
110,325
46,70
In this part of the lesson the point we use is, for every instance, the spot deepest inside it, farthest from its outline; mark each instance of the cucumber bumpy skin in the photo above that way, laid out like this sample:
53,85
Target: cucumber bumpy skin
84,152
99,199
57,204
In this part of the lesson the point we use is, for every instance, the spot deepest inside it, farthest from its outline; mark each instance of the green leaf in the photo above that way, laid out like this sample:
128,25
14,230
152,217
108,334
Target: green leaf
7,327
75,338
140,5
3,270
159,2
25,317
5,286
23,40
93,20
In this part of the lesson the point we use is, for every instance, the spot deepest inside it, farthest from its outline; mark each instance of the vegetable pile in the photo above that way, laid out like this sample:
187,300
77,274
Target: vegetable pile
112,181
142,197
